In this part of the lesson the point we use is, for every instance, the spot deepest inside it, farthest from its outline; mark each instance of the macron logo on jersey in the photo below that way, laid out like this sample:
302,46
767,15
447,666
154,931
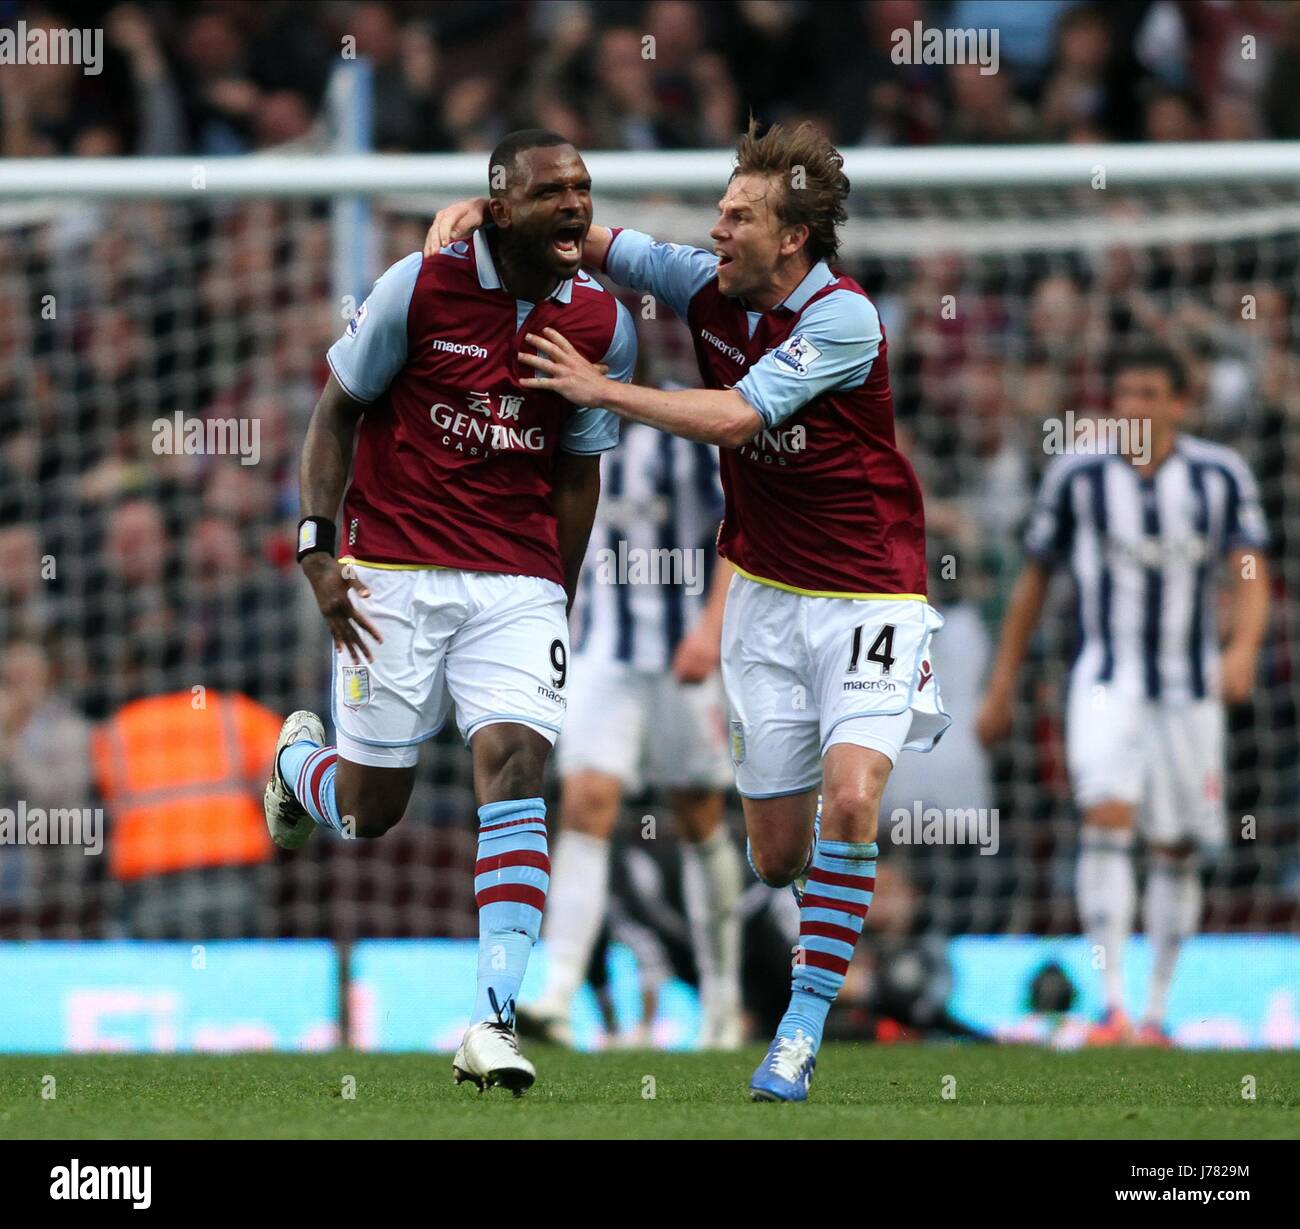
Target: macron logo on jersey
797,353
718,344
468,348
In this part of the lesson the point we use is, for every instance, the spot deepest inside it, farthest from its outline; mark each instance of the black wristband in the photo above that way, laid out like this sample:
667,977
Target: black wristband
315,533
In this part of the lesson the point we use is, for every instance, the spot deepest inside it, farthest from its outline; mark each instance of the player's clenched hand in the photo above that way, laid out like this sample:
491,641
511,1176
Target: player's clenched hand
455,222
696,657
333,583
993,721
561,369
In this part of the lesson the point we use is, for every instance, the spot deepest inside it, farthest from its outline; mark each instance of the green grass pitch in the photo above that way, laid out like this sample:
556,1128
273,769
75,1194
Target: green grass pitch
860,1091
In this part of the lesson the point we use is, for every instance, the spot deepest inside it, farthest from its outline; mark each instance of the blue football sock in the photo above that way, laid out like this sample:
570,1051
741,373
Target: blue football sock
511,877
309,770
835,904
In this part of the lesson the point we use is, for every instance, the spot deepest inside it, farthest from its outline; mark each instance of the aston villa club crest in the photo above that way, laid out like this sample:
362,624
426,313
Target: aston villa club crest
737,742
356,686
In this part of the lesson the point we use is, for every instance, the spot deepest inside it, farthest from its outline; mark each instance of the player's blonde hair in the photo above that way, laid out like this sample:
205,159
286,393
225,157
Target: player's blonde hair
811,172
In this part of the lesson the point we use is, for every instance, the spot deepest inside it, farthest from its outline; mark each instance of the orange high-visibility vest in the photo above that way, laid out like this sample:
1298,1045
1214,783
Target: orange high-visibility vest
184,784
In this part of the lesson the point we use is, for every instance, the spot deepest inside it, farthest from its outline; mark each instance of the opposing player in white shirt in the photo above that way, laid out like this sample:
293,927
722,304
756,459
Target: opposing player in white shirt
646,708
1143,537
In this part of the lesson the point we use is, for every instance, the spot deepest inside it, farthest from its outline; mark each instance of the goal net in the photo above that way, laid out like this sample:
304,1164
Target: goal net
163,351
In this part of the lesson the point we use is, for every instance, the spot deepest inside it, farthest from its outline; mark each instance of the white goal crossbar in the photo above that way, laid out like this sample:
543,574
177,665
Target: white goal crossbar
319,175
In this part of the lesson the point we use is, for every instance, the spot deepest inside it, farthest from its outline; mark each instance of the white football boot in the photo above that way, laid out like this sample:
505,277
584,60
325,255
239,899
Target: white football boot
286,820
489,1058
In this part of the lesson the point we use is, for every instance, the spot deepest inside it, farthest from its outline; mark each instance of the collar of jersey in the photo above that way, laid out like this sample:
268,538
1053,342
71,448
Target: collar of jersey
817,278
490,279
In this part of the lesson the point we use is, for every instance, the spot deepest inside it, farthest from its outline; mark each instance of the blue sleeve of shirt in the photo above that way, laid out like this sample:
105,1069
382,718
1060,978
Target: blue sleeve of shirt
596,430
1244,525
671,272
833,346
372,349
1049,536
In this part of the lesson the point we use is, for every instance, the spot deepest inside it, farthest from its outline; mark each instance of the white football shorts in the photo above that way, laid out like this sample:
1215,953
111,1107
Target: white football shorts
804,673
494,646
1164,759
643,727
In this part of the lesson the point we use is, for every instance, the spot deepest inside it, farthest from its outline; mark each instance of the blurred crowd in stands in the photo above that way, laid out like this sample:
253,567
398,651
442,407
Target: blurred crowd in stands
231,76
130,571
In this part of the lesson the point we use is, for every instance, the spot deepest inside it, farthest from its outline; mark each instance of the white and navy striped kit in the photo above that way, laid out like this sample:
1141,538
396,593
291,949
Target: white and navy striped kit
1143,552
658,492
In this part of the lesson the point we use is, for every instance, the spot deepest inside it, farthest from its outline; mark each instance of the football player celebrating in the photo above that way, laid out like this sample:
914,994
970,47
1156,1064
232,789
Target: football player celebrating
463,532
826,633
1142,536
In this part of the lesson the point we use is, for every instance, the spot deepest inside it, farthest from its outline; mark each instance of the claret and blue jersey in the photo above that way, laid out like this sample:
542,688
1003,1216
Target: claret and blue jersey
454,458
820,500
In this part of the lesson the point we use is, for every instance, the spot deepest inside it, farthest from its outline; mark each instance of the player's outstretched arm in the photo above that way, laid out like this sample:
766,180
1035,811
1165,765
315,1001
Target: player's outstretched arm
707,415
1023,612
463,218
326,458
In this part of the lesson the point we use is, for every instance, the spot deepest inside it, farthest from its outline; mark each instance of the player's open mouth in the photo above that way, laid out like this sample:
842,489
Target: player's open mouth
723,259
568,241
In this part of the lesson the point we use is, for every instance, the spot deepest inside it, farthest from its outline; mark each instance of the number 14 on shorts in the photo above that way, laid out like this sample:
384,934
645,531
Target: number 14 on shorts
881,650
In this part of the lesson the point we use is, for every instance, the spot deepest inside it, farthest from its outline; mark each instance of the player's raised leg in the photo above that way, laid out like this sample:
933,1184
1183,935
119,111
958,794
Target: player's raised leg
386,702
774,730
313,786
298,799
839,888
780,836
1107,897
